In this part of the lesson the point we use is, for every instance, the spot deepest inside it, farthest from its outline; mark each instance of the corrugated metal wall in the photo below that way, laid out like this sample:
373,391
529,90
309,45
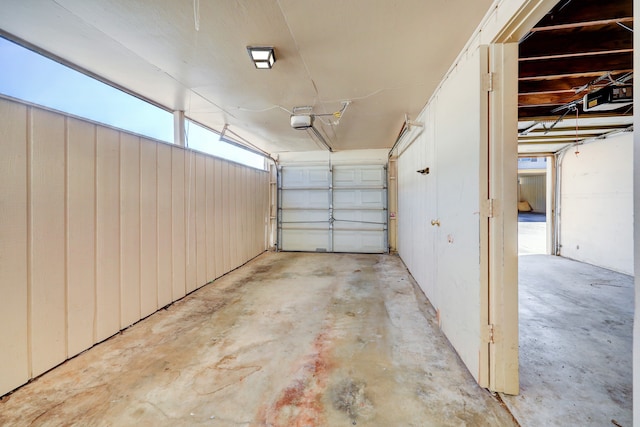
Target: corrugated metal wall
100,228
533,189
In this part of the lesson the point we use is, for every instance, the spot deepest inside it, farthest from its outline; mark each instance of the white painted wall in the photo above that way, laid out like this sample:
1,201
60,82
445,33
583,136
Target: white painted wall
636,232
100,228
445,259
596,206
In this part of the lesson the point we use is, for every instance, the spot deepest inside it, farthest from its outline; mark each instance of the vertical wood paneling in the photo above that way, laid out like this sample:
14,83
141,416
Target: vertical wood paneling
259,224
219,230
226,220
178,222
100,228
251,213
48,284
256,220
107,233
148,229
263,190
81,244
129,229
190,190
240,213
210,219
201,220
14,359
235,202
254,202
245,226
165,258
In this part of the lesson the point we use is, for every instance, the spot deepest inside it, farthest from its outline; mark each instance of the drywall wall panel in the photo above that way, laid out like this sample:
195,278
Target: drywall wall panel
458,156
148,229
107,233
178,223
14,357
439,212
129,230
596,206
165,250
48,225
81,216
416,206
201,220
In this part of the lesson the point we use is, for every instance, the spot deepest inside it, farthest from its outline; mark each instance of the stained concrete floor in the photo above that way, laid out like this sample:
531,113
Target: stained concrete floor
287,340
576,324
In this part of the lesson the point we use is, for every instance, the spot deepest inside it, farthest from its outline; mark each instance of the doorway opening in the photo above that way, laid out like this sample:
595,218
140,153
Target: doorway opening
575,310
535,201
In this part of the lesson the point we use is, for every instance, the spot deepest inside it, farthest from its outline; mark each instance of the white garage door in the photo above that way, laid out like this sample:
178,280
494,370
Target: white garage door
333,209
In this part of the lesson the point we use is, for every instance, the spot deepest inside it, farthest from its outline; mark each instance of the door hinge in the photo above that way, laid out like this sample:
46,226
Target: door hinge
487,82
488,208
489,334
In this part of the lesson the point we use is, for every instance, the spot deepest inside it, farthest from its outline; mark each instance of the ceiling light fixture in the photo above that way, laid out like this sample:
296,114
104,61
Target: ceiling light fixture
263,57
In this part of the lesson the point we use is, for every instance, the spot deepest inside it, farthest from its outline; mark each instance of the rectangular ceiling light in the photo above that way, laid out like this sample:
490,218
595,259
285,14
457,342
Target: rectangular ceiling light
262,57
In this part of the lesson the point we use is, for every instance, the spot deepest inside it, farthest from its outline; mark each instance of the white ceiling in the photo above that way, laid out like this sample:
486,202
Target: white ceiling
385,56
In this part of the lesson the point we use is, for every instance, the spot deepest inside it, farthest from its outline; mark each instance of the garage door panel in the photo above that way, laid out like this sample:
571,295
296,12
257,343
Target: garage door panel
358,241
359,176
365,220
305,199
304,216
304,177
306,240
353,196
368,199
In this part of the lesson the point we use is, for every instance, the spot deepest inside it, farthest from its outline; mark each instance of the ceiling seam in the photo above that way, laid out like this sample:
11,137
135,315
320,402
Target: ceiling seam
295,42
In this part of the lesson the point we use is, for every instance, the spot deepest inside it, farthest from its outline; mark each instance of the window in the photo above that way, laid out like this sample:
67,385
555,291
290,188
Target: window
33,78
202,139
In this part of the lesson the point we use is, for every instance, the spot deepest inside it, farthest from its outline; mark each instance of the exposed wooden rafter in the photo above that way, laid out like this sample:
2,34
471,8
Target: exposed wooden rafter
578,47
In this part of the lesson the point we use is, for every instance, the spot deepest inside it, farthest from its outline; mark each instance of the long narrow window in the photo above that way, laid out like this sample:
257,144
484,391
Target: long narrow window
31,77
202,139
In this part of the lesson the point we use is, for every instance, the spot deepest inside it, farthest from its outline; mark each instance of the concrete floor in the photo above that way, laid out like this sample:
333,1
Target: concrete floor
532,238
290,339
576,324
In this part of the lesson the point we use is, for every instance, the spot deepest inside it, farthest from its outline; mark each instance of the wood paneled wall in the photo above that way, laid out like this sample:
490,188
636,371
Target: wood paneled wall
100,228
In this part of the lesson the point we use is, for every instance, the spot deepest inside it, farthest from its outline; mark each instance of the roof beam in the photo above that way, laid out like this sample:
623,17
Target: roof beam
567,12
582,24
581,66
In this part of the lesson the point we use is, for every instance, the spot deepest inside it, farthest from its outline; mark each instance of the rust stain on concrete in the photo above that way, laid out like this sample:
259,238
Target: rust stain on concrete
300,404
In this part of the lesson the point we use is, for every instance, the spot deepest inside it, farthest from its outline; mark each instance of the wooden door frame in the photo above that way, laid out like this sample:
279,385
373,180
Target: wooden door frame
503,218
502,180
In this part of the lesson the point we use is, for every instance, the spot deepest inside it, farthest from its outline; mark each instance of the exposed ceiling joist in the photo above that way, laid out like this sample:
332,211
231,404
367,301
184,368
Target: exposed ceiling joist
578,47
